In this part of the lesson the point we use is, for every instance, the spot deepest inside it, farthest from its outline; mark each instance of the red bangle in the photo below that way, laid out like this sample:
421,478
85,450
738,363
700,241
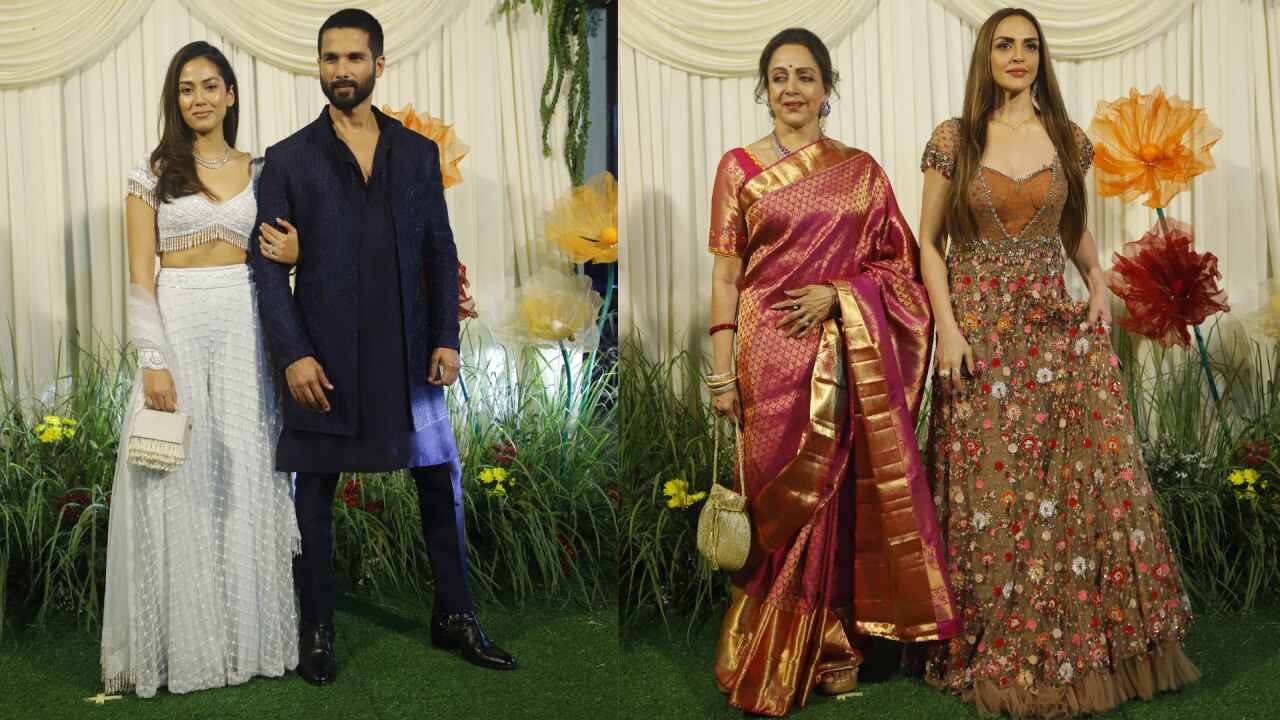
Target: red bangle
722,326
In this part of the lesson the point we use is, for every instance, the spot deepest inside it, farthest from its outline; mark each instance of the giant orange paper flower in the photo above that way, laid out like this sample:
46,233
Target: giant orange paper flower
1150,145
452,150
584,222
1166,285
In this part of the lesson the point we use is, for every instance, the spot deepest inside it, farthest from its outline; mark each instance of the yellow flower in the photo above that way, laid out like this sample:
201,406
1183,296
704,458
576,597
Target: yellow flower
497,491
1266,319
1247,476
678,491
553,307
452,150
48,433
493,475
584,222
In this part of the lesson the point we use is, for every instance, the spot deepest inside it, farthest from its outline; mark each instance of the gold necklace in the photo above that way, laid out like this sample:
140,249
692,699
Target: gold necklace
1012,126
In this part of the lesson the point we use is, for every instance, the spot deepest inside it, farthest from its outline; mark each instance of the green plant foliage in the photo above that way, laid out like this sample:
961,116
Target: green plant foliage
1226,535
552,535
569,24
666,434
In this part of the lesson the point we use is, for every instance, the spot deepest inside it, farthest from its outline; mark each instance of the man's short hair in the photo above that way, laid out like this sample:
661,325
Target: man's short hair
358,19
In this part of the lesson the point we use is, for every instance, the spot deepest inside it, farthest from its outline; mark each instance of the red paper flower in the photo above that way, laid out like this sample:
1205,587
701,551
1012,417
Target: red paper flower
466,303
1166,285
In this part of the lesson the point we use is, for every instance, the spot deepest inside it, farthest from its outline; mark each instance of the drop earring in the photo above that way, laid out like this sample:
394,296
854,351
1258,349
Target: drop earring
824,109
1035,95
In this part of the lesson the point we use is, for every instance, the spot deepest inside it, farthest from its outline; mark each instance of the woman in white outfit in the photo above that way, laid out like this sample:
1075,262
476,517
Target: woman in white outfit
199,590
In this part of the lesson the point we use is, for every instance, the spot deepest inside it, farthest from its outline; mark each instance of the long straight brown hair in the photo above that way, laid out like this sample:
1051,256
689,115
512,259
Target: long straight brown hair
980,95
172,161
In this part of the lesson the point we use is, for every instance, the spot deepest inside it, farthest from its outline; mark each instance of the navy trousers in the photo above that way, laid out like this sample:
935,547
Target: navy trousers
440,504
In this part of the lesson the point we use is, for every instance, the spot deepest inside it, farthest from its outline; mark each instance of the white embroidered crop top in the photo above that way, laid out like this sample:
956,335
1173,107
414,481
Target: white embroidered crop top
192,220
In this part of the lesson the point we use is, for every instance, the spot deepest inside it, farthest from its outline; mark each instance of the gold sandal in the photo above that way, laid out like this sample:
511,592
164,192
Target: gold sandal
832,686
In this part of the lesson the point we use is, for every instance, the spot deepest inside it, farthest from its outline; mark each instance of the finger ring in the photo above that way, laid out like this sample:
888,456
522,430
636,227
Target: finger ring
795,306
944,373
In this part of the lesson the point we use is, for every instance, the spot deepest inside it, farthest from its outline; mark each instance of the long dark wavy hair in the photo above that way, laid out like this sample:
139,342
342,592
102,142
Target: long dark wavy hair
980,94
172,161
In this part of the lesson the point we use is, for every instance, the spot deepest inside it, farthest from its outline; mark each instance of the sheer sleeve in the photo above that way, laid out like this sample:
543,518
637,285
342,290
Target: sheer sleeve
142,183
940,151
728,226
1085,146
146,329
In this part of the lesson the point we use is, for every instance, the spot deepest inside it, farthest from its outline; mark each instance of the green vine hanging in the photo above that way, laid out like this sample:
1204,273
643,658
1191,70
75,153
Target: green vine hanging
569,24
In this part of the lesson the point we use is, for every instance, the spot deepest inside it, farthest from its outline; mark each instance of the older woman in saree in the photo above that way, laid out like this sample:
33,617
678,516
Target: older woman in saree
817,272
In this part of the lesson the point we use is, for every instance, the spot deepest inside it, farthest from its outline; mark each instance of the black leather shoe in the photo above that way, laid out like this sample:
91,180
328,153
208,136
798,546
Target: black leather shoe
461,632
315,654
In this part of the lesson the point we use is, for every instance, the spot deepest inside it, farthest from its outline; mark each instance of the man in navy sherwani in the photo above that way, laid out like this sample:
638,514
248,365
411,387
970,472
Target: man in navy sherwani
368,338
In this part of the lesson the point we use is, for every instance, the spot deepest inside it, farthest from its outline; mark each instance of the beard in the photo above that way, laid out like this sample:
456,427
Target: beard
362,92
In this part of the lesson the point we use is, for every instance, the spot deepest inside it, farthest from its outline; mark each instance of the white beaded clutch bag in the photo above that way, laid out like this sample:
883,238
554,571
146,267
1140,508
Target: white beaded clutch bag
159,439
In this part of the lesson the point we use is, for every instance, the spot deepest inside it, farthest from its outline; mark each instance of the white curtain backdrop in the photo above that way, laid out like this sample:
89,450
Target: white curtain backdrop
903,69
67,143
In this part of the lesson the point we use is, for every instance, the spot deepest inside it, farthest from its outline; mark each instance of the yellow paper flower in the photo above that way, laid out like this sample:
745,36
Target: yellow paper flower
1150,145
452,150
678,492
584,222
551,307
1266,319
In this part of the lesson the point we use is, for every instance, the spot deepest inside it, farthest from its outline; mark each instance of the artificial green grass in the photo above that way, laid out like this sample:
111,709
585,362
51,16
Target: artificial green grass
387,669
670,677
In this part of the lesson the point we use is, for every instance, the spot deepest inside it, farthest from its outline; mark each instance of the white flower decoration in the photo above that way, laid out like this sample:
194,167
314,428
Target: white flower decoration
979,520
1079,565
1047,508
1067,671
999,390
1137,536
1044,375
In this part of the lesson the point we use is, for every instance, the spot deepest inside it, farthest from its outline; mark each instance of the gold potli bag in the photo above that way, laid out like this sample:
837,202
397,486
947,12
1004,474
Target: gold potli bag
724,528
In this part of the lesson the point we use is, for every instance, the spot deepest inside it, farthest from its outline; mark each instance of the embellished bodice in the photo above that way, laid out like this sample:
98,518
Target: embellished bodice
1013,214
191,220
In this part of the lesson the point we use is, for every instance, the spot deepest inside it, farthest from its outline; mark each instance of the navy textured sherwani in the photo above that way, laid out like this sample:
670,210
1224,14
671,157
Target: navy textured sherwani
391,228
303,182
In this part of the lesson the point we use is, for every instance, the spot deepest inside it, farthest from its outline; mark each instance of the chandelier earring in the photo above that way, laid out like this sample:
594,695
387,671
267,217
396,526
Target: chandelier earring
824,110
769,108
1035,94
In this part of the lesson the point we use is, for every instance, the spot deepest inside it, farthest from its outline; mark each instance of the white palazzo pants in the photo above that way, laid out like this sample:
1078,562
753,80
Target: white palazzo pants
199,560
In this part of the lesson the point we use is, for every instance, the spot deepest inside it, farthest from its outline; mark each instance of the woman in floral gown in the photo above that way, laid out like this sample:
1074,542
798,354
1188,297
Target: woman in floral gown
1066,584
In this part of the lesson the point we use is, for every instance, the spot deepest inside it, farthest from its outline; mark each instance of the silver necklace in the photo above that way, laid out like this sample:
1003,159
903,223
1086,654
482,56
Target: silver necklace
213,164
778,148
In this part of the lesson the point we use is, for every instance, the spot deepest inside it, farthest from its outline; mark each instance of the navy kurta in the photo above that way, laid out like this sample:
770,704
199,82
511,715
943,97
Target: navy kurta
308,180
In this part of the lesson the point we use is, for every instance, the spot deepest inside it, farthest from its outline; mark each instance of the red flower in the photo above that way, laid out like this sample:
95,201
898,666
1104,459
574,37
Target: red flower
1166,285
72,505
569,552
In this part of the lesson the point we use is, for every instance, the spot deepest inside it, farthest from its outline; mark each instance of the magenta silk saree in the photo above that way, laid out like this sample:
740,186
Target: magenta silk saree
843,523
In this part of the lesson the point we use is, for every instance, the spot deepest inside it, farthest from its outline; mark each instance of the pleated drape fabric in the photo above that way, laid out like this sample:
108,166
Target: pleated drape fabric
67,141
903,69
